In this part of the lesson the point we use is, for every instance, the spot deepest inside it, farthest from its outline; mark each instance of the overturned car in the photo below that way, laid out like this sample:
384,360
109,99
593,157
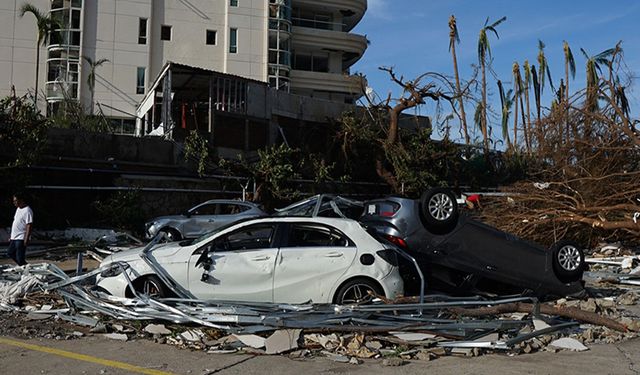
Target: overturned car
461,255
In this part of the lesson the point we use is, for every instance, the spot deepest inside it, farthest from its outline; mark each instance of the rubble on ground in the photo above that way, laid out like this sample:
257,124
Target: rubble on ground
56,306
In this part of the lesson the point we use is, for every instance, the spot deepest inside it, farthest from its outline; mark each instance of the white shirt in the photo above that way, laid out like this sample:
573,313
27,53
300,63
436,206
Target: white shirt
22,217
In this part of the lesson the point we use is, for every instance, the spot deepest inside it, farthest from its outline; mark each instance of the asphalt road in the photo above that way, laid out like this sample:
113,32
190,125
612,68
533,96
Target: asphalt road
97,355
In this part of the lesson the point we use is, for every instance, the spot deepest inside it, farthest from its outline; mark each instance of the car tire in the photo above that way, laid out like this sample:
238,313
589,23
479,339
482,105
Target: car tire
171,234
151,286
568,260
439,208
356,292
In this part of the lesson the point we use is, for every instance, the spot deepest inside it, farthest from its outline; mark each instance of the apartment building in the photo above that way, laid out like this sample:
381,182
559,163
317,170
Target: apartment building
303,47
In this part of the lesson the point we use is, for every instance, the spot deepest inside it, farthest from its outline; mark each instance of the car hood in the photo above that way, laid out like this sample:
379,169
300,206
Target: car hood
131,255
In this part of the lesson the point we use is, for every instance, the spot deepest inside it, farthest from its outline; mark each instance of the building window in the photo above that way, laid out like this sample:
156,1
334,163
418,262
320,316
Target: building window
140,80
165,32
142,31
233,41
211,37
233,3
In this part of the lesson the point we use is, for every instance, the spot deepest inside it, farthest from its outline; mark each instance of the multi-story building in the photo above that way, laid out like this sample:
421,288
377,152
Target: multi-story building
304,47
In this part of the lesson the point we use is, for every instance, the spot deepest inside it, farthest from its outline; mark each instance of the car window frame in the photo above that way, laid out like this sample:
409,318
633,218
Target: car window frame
287,232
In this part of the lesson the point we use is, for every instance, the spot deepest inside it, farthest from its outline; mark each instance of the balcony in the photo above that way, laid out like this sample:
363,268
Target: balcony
351,45
351,10
340,83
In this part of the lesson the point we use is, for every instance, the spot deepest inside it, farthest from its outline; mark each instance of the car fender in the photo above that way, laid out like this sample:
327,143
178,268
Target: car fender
358,270
117,285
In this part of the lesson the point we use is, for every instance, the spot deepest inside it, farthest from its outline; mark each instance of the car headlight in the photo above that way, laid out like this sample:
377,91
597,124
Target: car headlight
115,270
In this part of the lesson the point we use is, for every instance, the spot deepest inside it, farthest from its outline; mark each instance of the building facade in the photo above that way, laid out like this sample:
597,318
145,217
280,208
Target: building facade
304,47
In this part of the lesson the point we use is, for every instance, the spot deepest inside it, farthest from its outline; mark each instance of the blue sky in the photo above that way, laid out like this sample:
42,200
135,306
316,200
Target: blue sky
412,37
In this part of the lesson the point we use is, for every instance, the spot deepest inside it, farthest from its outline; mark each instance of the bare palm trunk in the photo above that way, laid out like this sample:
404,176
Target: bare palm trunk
463,116
515,117
566,98
483,126
528,125
35,96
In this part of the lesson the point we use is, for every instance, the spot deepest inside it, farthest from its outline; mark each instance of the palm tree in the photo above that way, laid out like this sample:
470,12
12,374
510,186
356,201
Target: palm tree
506,101
517,96
569,67
484,49
91,77
46,25
543,70
527,86
593,67
453,39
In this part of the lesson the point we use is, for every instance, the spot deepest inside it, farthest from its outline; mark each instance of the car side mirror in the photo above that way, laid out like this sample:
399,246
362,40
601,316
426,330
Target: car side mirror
187,214
204,258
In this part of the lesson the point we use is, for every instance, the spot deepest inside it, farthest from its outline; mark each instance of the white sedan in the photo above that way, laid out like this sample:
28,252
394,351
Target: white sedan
271,259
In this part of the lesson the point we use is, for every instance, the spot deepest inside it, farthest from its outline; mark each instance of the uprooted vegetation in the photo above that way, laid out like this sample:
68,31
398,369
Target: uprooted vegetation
585,180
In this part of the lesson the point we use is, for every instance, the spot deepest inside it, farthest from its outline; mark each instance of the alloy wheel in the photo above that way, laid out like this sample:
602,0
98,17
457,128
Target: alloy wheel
441,206
357,294
569,257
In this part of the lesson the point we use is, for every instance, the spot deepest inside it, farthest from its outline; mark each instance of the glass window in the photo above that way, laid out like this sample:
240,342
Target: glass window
308,235
140,80
233,40
207,209
233,3
232,209
75,19
256,236
76,3
165,32
211,37
142,31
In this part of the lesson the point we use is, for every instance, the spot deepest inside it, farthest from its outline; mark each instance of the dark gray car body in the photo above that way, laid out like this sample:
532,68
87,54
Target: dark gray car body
464,257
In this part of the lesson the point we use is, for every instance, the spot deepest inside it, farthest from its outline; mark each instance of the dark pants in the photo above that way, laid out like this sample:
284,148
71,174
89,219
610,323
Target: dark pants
17,251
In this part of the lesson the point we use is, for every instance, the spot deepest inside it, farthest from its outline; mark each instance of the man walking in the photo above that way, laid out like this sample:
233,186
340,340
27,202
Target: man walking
20,230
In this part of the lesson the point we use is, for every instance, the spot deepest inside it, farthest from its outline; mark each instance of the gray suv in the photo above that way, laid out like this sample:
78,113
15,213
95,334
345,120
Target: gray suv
202,218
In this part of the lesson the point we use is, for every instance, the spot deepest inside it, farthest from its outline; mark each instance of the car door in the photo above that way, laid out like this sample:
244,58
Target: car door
312,258
202,219
241,265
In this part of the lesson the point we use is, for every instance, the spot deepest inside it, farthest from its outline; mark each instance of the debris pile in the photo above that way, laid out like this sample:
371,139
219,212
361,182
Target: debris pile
394,332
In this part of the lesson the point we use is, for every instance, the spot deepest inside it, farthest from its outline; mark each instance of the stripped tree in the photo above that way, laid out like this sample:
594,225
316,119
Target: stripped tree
453,39
484,51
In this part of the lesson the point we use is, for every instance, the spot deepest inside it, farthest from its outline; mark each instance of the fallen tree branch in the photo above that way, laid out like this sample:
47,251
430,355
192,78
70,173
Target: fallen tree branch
566,312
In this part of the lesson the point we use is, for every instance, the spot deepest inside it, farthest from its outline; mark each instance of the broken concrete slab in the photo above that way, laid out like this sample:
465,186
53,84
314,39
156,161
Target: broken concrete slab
116,336
157,329
282,341
193,335
253,341
568,343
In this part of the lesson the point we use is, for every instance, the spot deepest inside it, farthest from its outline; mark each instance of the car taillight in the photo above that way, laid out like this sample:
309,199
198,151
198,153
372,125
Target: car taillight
389,256
396,241
384,209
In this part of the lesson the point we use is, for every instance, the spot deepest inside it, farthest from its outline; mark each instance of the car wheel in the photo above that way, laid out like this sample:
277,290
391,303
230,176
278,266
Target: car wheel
356,292
568,260
171,234
439,207
151,286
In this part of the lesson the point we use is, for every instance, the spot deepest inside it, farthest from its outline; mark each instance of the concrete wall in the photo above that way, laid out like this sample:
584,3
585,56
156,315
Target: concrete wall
101,147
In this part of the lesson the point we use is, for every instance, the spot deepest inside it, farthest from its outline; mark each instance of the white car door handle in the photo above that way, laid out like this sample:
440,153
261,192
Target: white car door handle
260,258
334,255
